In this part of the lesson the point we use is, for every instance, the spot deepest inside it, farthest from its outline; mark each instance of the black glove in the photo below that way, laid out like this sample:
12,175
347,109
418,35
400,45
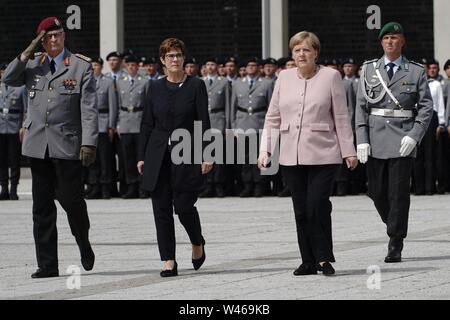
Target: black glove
87,155
31,49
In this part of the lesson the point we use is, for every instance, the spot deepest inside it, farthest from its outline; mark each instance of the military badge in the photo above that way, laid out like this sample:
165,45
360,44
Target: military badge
69,84
32,94
13,101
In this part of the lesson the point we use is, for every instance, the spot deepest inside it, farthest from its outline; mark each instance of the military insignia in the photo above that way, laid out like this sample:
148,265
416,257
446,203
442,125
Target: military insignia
66,61
32,94
13,101
57,22
87,59
69,84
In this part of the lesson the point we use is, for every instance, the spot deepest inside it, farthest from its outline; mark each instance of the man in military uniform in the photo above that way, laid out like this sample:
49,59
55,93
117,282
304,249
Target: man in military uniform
12,108
131,91
231,69
60,130
101,172
249,102
393,112
270,68
191,67
219,96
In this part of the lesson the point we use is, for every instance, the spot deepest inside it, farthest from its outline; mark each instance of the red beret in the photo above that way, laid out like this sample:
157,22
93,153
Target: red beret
48,24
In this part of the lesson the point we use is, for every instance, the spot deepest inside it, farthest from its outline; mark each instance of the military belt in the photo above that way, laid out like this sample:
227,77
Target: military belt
132,109
103,111
216,110
392,113
6,111
250,110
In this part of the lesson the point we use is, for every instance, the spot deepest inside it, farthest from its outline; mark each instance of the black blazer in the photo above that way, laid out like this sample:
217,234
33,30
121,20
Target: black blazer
166,110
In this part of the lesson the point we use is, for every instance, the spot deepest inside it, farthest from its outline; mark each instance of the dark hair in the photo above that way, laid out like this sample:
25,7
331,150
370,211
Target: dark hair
169,44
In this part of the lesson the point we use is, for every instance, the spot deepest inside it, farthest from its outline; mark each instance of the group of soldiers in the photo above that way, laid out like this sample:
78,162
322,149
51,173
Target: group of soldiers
239,94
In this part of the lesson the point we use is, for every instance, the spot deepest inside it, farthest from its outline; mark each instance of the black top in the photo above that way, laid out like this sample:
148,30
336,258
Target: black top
165,111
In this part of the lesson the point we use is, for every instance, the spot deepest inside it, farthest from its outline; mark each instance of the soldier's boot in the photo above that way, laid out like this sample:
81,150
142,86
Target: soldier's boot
106,191
131,193
284,193
13,192
247,191
259,190
143,194
208,192
95,192
4,194
220,192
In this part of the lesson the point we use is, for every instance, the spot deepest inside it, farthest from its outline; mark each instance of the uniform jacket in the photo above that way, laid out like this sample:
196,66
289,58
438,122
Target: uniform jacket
409,86
350,95
219,96
256,98
312,117
106,104
130,98
166,111
12,108
62,111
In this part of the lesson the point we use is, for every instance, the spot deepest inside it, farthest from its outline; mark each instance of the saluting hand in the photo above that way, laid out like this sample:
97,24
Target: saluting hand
28,53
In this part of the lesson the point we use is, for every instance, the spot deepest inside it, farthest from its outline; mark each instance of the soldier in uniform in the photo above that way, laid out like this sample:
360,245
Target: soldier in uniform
101,172
191,67
393,112
249,102
131,91
219,96
231,69
270,67
12,108
60,130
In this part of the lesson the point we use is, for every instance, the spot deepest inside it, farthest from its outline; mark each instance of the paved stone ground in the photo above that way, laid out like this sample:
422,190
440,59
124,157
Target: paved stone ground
251,251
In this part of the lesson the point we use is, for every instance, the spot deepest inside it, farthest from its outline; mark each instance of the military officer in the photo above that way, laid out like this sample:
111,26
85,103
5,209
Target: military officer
12,108
101,172
231,69
249,102
219,96
131,90
270,68
191,67
393,112
60,130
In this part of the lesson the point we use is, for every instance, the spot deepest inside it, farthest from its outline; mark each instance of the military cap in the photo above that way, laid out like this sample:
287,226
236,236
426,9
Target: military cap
190,60
150,60
97,60
447,64
113,54
211,59
269,61
230,59
432,61
49,24
390,28
349,61
252,60
127,52
131,58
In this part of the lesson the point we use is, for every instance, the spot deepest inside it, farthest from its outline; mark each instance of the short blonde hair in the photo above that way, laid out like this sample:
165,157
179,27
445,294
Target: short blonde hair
310,37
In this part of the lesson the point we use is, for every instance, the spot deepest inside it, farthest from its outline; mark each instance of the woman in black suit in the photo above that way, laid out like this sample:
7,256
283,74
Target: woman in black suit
172,103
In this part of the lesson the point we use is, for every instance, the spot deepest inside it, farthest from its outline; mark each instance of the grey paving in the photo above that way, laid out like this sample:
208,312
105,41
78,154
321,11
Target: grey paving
251,252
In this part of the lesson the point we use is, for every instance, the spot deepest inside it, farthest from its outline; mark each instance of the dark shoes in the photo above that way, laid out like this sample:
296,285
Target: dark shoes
4,194
87,258
197,263
395,248
170,273
13,192
207,193
220,192
132,192
45,273
247,191
305,269
327,269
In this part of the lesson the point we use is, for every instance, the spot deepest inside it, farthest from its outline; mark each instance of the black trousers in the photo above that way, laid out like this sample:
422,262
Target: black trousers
129,143
118,165
165,201
425,161
250,172
389,184
60,178
9,158
311,188
101,172
442,162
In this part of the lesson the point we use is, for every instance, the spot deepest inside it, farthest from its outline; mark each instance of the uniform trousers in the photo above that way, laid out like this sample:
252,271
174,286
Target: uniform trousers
129,148
101,172
389,184
165,201
311,187
9,158
63,179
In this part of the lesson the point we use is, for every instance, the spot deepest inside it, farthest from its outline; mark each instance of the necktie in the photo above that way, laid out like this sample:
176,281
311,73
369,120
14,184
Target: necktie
390,72
251,84
210,81
132,82
52,66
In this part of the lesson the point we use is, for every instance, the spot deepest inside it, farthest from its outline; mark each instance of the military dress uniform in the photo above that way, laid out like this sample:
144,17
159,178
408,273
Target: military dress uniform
101,173
219,96
249,102
12,108
61,117
383,123
131,93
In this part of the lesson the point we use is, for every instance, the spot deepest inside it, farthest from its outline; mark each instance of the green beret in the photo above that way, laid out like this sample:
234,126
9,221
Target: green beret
392,28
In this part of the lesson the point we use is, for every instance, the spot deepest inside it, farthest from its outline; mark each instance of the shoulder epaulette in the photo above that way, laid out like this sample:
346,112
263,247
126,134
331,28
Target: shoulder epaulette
370,61
83,57
416,63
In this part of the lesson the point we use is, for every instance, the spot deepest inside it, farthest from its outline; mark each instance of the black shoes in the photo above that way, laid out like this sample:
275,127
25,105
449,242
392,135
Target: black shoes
106,191
207,193
45,273
13,192
305,269
197,263
327,269
171,272
4,194
395,248
87,258
220,192
247,191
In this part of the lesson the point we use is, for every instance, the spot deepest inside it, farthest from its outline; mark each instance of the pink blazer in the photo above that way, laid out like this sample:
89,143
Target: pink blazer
312,119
